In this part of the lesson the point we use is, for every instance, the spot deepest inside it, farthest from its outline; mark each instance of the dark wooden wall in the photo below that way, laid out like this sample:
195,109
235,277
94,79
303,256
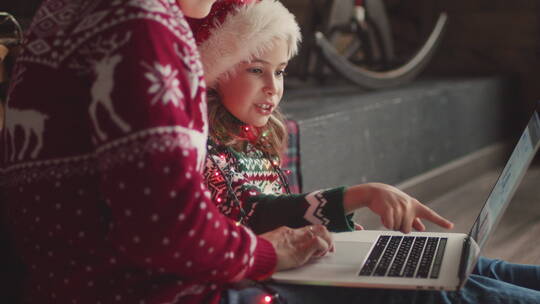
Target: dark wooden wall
20,8
489,37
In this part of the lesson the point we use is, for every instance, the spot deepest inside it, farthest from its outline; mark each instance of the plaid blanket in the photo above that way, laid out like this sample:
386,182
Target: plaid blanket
291,159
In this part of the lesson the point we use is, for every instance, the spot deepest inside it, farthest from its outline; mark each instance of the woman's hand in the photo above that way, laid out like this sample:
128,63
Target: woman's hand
294,247
398,211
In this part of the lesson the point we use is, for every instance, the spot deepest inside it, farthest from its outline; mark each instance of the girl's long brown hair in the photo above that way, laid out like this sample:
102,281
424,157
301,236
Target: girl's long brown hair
226,129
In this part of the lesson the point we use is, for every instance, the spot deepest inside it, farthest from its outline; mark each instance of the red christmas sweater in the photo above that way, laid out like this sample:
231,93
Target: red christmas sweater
101,161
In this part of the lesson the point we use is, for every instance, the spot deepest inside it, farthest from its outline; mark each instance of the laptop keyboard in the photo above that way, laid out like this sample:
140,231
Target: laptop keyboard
405,256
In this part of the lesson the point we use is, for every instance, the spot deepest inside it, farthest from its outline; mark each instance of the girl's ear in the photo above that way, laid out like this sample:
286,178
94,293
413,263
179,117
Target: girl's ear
213,92
215,88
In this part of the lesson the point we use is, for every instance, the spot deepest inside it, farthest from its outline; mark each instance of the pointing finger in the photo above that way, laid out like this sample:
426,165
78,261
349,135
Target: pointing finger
432,216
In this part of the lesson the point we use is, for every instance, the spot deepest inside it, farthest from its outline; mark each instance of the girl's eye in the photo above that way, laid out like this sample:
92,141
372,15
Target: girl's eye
281,73
255,70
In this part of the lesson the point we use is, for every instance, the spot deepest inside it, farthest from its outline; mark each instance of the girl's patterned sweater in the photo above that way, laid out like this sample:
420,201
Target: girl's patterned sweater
262,196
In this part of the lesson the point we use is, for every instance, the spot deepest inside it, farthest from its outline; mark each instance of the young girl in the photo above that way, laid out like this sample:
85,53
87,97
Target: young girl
245,50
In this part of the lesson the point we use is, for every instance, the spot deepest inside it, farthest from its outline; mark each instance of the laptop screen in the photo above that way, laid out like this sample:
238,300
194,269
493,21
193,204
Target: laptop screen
508,181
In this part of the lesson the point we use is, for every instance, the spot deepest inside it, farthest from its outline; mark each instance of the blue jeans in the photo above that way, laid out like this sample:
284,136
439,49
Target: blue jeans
493,281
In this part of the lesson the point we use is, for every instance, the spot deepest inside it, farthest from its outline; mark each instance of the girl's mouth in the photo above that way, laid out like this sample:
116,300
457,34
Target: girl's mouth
264,108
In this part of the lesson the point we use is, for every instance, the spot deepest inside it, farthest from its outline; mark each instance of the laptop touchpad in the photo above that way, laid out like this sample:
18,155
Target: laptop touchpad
348,253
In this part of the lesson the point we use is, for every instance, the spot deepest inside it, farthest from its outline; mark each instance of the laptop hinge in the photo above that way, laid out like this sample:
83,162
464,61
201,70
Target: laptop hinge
464,259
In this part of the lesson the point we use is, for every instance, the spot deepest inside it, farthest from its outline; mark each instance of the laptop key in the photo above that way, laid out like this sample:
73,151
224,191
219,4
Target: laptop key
374,256
414,257
427,257
388,255
438,259
401,256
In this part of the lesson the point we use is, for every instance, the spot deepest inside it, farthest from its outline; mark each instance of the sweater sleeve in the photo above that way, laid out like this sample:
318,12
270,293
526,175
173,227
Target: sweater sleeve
323,207
265,212
150,135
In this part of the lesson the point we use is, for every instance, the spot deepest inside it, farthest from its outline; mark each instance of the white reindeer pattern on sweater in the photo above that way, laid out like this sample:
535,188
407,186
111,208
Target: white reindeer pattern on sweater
31,122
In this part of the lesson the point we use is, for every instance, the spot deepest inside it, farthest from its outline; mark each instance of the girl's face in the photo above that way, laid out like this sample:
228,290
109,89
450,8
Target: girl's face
255,88
196,8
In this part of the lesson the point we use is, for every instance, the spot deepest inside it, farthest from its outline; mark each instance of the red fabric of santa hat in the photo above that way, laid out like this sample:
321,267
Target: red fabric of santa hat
239,30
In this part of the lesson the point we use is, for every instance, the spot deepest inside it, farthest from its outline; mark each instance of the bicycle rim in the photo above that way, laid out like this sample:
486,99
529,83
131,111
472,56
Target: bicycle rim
371,79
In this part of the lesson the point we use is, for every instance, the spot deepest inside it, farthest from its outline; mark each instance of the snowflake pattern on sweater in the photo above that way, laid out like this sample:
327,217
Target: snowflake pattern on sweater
102,159
262,196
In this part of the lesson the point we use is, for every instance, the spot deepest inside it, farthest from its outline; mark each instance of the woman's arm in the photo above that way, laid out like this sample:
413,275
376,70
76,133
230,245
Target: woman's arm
150,151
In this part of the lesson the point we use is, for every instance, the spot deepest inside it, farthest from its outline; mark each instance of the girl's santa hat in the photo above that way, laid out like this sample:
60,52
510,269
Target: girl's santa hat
239,30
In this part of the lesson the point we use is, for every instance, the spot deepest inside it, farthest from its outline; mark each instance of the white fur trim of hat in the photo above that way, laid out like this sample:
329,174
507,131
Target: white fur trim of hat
246,32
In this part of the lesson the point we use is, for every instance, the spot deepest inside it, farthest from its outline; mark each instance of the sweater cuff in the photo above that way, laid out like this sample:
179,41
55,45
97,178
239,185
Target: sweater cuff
339,221
265,260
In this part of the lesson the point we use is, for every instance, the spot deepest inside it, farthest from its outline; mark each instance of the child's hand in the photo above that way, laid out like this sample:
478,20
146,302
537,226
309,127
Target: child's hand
398,211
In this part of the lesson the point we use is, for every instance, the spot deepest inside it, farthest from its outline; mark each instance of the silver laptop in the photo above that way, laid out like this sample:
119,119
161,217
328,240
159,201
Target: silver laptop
418,260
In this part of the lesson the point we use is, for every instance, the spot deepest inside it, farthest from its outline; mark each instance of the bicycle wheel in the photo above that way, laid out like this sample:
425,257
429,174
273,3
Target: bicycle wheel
11,33
362,49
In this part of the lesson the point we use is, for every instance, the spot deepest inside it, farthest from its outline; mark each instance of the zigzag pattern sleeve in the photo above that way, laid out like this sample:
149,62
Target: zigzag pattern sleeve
324,207
161,214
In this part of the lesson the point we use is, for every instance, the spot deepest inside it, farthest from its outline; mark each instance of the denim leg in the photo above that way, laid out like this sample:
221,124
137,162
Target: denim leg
483,289
523,275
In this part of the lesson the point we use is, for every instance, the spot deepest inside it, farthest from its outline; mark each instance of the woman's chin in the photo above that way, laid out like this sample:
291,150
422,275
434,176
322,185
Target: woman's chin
196,10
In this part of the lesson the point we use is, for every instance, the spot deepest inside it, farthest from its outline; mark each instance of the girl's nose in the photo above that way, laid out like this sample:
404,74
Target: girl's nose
269,91
271,87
